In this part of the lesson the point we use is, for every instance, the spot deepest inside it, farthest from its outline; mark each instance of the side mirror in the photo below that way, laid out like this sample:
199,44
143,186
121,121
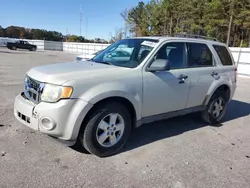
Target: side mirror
159,65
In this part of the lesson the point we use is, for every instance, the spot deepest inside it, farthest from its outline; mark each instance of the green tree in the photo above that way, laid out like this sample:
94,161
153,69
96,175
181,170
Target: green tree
73,38
12,32
214,18
2,32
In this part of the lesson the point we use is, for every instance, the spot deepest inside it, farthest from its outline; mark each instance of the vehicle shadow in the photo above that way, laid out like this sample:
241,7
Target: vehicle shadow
19,52
153,132
14,52
5,52
149,133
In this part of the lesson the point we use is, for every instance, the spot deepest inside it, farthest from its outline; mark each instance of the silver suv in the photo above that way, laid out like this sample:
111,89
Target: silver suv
134,81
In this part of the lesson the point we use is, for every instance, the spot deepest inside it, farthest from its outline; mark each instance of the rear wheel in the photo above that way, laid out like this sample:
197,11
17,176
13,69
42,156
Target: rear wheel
107,129
216,108
13,48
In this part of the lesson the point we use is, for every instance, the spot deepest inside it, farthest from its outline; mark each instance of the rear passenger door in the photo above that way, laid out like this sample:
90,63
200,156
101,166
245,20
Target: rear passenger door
201,65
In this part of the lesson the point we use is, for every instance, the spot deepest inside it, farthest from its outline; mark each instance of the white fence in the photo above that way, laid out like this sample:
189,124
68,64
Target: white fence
72,47
243,55
88,48
83,48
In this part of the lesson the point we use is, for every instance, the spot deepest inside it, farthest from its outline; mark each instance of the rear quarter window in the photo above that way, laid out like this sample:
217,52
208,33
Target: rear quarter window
224,55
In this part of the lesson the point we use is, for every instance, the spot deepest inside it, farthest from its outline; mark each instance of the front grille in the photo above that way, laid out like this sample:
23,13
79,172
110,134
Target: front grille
23,117
32,89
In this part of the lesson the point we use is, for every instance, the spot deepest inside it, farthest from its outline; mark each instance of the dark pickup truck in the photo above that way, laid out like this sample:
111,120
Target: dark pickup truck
22,45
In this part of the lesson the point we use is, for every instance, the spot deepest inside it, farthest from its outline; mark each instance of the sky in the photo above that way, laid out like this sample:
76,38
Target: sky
100,17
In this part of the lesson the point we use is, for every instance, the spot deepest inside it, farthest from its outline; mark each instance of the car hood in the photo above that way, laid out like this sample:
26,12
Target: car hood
63,72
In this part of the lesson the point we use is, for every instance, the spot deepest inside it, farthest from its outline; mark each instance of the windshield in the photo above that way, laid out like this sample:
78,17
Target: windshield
126,53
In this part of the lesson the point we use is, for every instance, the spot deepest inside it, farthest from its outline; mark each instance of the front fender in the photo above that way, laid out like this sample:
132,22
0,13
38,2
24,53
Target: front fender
114,89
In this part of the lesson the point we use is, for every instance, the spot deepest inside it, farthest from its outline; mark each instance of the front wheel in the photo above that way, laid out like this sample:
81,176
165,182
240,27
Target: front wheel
33,49
216,108
107,129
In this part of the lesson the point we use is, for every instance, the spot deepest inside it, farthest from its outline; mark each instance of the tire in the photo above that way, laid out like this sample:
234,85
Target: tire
90,136
33,49
13,48
209,115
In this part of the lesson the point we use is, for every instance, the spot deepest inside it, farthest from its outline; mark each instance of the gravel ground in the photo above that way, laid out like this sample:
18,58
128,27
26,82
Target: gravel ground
176,153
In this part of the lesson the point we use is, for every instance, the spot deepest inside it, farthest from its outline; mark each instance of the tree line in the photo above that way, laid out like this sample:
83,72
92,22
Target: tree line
42,34
226,20
25,33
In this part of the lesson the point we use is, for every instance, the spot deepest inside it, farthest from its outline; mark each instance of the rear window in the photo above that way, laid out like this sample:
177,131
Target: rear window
223,53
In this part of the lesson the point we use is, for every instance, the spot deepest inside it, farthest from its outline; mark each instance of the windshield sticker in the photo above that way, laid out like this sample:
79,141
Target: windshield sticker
149,43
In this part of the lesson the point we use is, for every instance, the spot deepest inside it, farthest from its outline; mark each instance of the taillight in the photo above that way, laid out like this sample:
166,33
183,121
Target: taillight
235,75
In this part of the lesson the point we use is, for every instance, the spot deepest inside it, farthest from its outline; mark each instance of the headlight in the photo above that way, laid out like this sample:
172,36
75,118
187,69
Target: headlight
53,93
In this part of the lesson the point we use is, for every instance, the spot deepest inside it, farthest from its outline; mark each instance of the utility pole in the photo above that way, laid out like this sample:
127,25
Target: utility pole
81,20
86,27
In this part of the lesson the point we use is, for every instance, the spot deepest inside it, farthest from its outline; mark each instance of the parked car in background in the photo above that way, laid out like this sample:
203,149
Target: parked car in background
21,44
84,57
134,81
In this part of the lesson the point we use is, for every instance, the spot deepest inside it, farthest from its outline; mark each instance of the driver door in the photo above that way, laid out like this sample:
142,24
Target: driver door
22,45
26,45
166,91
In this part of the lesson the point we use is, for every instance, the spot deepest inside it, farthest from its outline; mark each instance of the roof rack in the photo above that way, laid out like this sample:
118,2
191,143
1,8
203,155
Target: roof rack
194,36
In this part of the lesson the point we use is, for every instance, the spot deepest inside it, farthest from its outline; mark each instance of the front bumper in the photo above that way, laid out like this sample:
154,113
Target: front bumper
66,114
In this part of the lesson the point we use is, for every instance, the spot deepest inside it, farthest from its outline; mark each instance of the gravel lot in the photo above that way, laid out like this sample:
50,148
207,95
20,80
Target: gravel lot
180,152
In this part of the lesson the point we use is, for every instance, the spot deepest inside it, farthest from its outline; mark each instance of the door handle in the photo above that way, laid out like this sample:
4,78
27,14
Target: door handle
182,78
214,74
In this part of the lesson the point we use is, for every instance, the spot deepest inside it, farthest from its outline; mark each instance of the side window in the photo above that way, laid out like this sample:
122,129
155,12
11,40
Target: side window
223,53
199,55
175,53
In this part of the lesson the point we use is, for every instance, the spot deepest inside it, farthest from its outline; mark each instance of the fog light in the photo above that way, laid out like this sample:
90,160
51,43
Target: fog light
47,123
